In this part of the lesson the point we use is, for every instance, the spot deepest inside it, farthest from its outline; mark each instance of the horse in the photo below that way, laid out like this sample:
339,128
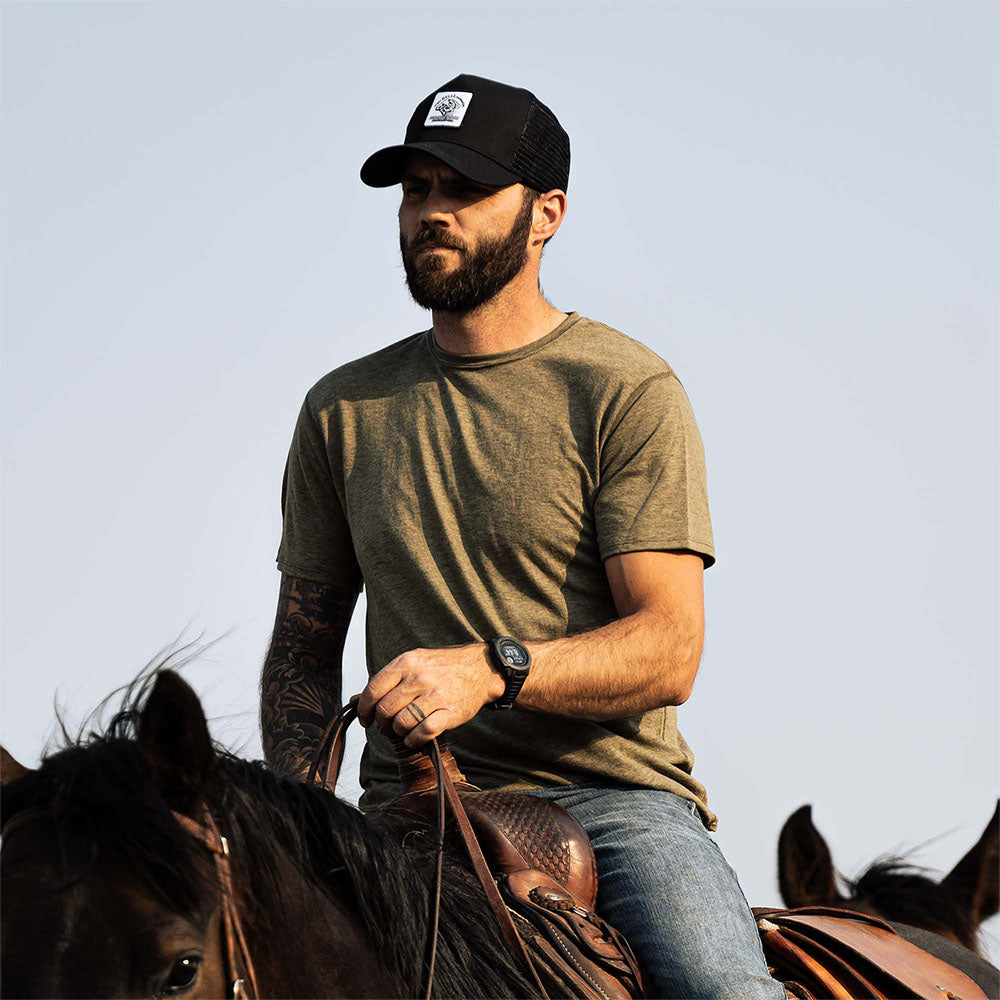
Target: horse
936,915
145,861
113,886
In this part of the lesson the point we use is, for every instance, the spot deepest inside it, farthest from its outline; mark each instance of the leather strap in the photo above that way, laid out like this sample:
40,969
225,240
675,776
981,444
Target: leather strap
796,957
330,752
511,938
218,846
416,770
441,777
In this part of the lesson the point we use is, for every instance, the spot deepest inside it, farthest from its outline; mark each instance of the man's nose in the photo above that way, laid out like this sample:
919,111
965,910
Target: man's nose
436,209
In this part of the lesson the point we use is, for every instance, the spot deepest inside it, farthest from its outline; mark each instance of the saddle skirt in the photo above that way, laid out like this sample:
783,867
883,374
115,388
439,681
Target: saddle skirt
820,951
518,831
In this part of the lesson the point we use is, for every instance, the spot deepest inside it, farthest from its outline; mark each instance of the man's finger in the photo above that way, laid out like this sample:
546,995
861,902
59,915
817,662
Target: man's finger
376,689
438,722
395,700
408,718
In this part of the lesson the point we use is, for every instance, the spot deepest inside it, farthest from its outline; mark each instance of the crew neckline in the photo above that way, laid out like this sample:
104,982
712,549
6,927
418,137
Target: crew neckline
451,360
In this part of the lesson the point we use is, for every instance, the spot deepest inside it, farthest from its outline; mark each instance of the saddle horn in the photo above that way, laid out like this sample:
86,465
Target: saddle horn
416,768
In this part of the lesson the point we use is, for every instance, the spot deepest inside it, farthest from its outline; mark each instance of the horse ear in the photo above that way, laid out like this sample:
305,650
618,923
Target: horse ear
11,770
175,743
974,879
805,868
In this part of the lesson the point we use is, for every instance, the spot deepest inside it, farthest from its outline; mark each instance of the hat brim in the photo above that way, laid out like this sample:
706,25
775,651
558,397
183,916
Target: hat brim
385,167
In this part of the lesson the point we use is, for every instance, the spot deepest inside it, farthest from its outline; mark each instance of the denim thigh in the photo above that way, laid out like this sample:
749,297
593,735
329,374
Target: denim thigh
666,886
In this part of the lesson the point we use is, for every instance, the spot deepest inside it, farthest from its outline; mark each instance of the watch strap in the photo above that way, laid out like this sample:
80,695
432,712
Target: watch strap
514,676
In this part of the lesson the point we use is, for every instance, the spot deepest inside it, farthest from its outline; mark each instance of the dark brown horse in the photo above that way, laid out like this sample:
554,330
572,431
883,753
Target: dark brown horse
107,893
114,884
952,907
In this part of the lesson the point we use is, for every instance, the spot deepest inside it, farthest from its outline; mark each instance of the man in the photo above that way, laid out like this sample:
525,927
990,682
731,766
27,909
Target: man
522,491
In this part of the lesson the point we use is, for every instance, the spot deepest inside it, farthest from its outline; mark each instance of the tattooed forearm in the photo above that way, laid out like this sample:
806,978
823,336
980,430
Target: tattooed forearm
301,680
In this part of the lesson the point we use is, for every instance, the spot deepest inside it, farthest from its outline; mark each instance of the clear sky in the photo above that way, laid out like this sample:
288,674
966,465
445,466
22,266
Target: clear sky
794,203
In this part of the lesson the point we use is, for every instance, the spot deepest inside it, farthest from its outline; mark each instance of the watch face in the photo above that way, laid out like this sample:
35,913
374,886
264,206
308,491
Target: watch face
513,654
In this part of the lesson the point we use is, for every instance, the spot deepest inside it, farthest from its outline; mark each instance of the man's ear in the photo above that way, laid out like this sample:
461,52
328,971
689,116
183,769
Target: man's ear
549,211
973,881
805,868
175,743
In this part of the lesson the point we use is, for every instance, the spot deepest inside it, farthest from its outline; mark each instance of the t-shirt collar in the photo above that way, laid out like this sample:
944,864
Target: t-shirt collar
450,360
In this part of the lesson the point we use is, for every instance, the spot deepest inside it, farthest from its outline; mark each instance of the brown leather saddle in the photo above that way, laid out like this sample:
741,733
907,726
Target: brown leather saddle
542,862
536,865
533,859
821,951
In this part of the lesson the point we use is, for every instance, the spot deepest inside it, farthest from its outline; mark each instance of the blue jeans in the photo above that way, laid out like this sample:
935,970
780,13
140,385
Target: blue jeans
666,886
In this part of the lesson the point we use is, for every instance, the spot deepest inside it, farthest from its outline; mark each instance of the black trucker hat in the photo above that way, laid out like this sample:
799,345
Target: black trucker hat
491,133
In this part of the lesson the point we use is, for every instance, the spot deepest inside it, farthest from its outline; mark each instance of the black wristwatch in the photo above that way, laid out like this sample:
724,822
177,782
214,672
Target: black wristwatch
514,662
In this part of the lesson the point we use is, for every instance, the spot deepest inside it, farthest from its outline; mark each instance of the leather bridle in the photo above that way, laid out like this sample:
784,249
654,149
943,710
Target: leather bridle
326,766
236,942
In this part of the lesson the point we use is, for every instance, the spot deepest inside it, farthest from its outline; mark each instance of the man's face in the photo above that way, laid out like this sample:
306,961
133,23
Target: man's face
461,242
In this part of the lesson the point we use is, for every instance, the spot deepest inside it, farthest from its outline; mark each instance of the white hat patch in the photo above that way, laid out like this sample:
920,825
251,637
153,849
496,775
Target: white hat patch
448,108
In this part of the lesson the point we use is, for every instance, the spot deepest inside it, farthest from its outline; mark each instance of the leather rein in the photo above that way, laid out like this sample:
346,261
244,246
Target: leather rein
326,765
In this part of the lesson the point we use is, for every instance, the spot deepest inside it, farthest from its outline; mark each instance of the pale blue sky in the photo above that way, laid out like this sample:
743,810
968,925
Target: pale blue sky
794,203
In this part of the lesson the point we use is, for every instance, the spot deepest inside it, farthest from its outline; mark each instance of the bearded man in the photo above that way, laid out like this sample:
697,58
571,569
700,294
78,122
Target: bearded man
522,492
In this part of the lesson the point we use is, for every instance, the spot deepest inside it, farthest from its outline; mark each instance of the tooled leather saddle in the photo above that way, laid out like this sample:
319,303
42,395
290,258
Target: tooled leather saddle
543,865
537,868
532,858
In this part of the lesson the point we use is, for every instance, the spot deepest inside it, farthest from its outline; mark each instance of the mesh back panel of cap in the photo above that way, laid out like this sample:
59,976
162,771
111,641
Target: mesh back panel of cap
542,156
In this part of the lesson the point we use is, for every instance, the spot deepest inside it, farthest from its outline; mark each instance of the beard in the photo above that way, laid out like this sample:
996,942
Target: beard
480,274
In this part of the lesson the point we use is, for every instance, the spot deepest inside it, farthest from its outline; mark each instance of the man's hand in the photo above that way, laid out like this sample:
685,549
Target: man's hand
645,659
424,692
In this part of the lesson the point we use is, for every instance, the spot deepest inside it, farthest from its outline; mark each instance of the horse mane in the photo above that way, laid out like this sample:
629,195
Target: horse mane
385,882
94,791
901,891
97,791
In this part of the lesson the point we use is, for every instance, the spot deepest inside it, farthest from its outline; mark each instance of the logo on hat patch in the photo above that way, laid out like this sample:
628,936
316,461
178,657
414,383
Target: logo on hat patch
448,108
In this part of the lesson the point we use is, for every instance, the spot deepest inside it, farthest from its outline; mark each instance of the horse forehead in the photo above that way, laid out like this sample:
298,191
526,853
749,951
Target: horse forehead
46,921
96,933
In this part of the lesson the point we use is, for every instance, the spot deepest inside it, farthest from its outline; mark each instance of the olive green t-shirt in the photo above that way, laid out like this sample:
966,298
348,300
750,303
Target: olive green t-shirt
479,495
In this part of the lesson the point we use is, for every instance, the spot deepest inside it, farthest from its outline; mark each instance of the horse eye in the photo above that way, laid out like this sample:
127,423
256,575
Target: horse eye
183,975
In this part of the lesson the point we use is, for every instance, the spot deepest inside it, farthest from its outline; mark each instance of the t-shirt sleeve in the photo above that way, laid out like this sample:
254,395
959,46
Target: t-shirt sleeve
315,537
652,493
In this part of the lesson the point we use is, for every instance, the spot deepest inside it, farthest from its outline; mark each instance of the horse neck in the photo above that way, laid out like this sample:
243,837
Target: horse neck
324,942
315,948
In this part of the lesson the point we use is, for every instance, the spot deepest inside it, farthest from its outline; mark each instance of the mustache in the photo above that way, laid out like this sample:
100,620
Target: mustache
438,239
